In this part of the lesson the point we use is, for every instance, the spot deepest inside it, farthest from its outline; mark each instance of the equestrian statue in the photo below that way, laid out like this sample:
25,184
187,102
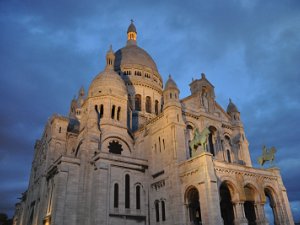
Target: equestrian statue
199,139
267,155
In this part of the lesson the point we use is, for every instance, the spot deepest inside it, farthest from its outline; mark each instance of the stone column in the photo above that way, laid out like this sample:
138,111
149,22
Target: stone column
100,199
239,214
286,216
260,214
275,213
59,198
208,192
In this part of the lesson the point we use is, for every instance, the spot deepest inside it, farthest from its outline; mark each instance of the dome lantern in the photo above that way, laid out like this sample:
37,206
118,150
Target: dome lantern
131,34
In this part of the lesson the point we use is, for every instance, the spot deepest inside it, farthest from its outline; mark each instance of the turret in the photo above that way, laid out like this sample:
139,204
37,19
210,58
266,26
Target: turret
110,59
81,96
171,94
233,112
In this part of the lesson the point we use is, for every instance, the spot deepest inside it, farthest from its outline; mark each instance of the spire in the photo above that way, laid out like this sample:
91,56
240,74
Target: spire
131,34
81,91
110,58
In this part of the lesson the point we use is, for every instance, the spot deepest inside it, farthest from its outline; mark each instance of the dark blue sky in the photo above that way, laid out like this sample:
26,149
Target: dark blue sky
249,50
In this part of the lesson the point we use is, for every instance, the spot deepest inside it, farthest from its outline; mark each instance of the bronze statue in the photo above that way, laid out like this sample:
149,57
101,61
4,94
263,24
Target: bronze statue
267,155
199,139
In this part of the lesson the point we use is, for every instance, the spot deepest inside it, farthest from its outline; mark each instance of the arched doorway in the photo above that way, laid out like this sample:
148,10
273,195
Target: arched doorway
194,206
249,205
226,205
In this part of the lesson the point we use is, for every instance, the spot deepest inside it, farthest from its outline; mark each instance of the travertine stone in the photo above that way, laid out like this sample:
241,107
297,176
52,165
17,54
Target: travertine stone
128,125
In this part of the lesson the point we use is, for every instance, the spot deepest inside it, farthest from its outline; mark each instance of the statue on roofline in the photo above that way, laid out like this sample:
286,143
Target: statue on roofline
267,155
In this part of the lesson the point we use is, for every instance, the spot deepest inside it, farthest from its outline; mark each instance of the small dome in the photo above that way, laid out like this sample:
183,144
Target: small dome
107,82
170,84
133,55
231,107
131,28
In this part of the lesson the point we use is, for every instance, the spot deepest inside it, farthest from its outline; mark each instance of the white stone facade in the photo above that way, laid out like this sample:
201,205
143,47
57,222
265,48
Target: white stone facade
122,156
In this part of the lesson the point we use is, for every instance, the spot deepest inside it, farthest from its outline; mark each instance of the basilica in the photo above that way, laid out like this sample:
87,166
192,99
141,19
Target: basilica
132,152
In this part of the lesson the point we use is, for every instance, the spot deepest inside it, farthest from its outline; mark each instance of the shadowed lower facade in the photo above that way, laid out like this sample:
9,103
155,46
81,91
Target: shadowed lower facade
132,152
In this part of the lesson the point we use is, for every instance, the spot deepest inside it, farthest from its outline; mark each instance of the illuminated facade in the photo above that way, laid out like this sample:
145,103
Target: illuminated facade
123,156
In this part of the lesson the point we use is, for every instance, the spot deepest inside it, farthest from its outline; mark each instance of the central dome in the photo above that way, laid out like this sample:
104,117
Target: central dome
135,65
132,55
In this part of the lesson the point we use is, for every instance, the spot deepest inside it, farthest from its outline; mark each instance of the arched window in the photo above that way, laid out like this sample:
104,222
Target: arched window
59,130
228,156
127,191
113,111
163,211
101,111
116,196
211,136
156,203
148,104
189,130
138,102
138,197
156,107
118,113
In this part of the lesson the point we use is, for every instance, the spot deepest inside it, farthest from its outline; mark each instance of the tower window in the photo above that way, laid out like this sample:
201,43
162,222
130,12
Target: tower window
148,104
113,111
137,73
228,156
170,95
127,191
127,72
59,130
138,102
138,197
118,113
116,196
156,107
